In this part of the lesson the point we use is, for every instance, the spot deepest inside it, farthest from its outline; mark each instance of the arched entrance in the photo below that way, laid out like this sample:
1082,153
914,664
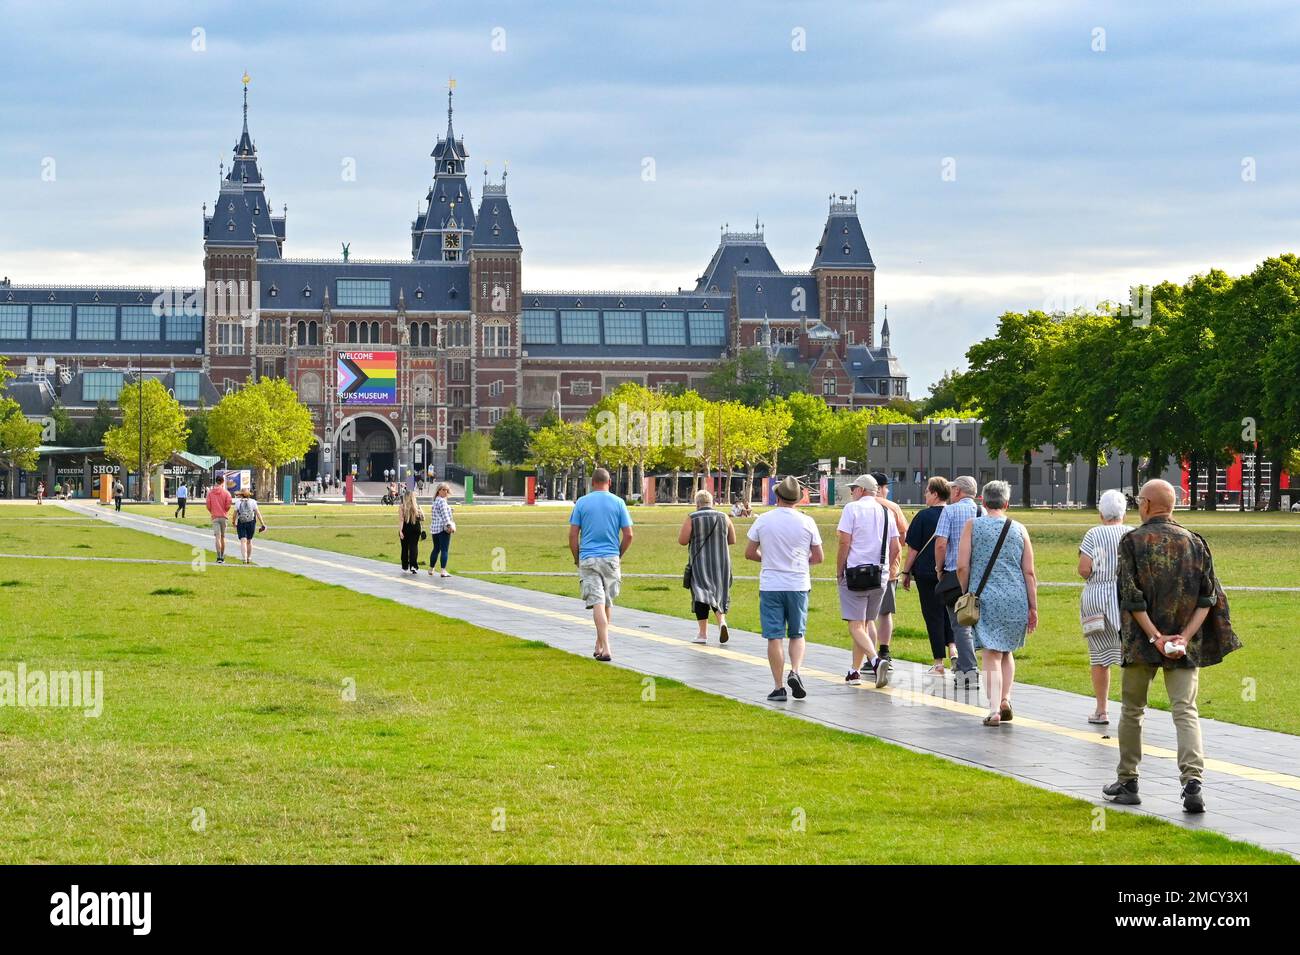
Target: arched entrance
421,456
369,442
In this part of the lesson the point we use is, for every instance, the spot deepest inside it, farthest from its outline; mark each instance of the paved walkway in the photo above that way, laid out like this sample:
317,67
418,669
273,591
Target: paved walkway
1251,784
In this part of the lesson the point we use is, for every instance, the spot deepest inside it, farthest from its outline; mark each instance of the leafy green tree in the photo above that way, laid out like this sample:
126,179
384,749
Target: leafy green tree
198,441
944,394
510,438
751,377
19,438
809,417
474,453
1079,392
549,419
153,428
1004,377
99,424
263,424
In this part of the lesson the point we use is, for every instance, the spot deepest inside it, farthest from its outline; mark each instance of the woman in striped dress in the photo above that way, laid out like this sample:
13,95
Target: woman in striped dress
707,534
1099,608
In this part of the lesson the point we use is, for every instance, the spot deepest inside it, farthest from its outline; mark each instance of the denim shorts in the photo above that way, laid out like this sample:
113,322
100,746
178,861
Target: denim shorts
783,613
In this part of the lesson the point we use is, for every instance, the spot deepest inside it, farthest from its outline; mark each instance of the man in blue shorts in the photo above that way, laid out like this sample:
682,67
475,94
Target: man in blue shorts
600,532
785,543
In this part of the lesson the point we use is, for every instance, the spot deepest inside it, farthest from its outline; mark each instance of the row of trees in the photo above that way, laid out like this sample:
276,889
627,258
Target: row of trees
1197,372
634,431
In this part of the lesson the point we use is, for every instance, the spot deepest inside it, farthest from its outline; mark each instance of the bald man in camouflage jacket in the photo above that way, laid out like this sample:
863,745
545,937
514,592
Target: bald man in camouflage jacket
1174,619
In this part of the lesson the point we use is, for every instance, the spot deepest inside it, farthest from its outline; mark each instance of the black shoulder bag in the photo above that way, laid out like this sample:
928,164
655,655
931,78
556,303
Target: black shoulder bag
867,576
687,575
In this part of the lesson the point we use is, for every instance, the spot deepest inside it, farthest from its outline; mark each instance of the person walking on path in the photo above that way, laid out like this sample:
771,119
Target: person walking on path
1099,607
996,562
600,532
117,495
410,520
182,496
952,521
218,503
868,547
785,543
441,527
708,534
883,626
1174,618
248,520
919,566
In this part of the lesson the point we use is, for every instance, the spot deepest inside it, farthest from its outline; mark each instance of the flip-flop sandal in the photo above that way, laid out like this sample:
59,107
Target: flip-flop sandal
1005,713
1099,719
604,658
722,634
992,719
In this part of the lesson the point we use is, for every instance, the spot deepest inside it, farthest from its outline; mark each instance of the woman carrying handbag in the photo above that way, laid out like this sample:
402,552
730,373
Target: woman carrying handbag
996,554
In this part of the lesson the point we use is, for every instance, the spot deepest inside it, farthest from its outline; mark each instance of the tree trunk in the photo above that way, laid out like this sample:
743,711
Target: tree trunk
1024,476
677,479
1275,459
749,485
1093,469
1211,483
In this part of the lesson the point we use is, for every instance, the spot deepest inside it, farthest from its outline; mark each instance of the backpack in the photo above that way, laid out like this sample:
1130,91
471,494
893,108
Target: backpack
245,509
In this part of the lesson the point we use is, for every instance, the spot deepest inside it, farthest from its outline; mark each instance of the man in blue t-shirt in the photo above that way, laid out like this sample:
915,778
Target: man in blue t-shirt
600,532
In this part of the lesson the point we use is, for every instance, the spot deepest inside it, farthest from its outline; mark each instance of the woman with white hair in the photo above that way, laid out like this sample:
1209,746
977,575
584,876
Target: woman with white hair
996,561
1099,608
707,533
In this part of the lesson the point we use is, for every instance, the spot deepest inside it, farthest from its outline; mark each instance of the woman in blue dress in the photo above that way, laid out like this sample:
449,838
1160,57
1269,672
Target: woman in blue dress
1009,599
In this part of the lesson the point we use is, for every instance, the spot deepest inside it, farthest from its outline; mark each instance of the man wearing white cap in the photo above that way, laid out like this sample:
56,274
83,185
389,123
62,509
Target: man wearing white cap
869,546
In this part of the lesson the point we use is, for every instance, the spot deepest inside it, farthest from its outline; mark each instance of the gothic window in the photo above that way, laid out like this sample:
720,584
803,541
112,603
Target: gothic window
828,386
312,333
374,333
352,332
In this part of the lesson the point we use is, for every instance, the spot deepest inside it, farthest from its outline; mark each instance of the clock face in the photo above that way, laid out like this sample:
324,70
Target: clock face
451,240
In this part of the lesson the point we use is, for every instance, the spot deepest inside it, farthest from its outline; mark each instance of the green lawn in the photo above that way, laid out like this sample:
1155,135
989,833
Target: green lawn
225,693
1250,550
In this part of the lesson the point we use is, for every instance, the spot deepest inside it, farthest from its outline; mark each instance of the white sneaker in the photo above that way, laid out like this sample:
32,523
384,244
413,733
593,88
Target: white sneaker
444,574
701,640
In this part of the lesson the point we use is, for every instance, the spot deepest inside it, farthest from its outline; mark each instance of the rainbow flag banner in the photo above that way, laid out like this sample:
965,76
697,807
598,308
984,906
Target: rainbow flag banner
368,377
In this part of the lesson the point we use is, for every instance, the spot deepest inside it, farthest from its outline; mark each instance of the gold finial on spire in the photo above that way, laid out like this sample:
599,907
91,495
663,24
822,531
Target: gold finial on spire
451,82
247,79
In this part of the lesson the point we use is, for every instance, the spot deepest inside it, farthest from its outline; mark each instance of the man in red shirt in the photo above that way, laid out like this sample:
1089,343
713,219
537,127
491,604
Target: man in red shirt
219,502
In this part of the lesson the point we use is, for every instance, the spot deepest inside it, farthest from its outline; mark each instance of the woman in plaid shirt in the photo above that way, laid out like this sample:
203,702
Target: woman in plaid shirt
441,528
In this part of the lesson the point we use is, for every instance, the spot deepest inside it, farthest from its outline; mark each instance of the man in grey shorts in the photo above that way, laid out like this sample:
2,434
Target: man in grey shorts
600,532
866,528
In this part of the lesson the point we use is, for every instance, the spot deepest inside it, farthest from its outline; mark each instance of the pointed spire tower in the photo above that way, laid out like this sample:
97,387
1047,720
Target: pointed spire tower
242,216
444,230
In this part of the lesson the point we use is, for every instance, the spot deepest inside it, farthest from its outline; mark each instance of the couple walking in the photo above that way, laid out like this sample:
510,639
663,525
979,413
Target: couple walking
410,530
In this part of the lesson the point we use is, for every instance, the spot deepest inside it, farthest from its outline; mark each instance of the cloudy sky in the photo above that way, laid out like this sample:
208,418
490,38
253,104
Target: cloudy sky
1006,155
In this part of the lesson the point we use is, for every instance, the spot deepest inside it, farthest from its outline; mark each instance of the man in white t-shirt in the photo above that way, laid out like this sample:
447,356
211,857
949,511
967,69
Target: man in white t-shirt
867,532
785,543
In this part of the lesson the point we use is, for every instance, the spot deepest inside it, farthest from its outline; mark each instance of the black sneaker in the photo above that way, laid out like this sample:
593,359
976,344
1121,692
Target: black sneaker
777,695
1193,801
796,685
220,559
1124,792
884,652
853,678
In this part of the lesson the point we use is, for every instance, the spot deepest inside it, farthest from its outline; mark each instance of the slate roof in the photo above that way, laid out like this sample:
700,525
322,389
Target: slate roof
843,244
428,286
736,252
867,365
774,294
496,223
35,396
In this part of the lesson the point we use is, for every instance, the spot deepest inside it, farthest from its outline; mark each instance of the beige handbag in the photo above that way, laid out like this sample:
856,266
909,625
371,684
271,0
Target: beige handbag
967,608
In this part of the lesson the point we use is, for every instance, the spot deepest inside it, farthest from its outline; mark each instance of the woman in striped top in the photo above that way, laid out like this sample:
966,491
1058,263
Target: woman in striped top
707,534
1099,607
441,527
